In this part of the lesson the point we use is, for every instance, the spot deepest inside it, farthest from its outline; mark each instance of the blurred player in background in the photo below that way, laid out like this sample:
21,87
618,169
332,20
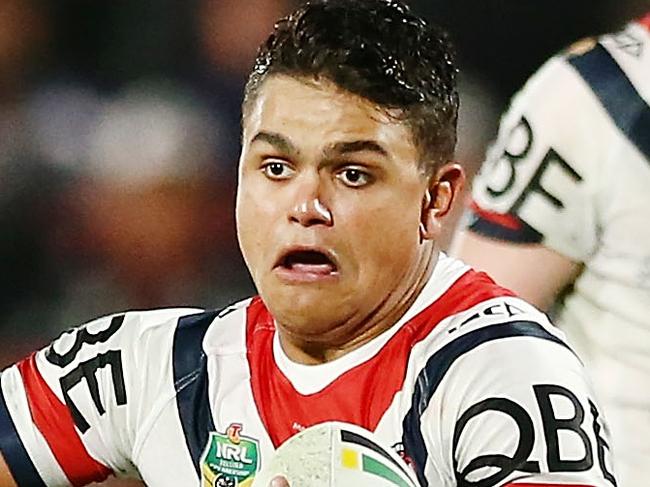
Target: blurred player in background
560,215
345,178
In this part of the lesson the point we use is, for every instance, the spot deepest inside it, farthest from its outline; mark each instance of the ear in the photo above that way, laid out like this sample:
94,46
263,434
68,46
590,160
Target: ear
445,185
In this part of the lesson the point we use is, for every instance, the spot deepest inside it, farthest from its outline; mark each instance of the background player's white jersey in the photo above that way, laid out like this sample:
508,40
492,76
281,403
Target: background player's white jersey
473,387
571,170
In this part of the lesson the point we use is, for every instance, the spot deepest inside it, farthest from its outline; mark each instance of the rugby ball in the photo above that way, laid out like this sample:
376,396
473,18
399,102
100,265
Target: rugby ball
335,454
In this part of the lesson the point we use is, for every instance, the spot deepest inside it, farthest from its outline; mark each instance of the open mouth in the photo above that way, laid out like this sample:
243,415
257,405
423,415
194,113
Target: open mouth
308,261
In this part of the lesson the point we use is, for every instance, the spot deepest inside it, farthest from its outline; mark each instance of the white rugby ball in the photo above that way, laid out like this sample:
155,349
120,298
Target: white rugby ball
335,454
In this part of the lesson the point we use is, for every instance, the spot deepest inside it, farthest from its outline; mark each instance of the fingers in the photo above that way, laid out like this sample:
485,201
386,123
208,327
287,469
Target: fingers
279,482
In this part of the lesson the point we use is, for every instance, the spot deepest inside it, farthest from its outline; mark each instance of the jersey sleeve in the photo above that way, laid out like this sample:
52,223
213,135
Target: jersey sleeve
71,413
538,181
515,409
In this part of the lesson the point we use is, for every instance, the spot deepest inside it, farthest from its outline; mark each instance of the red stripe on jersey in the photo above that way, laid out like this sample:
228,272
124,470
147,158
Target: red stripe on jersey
362,394
507,221
54,421
645,21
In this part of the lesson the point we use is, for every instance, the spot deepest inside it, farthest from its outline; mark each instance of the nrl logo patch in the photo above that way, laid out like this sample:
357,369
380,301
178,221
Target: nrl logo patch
229,460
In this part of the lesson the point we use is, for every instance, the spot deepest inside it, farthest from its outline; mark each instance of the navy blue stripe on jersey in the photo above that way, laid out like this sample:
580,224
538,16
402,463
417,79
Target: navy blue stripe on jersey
617,95
525,234
437,366
13,450
191,382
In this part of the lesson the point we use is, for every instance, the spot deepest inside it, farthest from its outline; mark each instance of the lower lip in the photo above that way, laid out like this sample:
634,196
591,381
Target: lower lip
304,274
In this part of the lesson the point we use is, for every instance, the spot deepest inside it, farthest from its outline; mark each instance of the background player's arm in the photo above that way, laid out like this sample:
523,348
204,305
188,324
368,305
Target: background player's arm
6,479
532,220
534,271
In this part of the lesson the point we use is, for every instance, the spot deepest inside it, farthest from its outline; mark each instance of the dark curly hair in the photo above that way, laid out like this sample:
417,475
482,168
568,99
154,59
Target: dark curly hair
378,50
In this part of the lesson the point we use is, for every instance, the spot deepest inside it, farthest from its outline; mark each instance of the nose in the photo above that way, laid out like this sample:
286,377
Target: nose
310,209
311,212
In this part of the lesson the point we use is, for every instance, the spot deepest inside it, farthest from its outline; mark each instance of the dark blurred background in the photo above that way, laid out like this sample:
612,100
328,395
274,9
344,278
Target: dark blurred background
119,138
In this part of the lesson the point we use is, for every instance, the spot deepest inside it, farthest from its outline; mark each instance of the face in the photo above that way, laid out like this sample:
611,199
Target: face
329,207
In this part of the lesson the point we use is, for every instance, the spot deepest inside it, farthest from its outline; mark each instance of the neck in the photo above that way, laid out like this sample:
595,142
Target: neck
373,324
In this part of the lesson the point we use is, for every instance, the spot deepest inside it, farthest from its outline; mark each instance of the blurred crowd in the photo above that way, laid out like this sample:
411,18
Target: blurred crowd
119,138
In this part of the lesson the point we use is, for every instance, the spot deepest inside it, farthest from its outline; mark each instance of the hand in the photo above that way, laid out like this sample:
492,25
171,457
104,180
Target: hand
279,481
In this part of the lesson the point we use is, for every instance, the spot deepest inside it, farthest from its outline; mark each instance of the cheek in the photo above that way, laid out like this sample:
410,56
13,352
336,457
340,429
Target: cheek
246,219
385,237
255,221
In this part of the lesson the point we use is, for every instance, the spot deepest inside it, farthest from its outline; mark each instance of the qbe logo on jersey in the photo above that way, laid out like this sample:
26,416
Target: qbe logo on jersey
229,460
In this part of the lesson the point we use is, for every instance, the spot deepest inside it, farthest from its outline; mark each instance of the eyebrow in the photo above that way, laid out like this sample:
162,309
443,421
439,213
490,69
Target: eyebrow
336,149
276,140
340,148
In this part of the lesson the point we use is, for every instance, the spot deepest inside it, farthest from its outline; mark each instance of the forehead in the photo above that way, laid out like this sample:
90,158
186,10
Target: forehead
318,113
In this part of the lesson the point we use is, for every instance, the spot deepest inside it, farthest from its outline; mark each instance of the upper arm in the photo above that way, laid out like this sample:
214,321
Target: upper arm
69,414
534,272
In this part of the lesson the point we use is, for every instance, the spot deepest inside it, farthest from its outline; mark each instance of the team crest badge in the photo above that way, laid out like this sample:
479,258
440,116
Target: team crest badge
229,460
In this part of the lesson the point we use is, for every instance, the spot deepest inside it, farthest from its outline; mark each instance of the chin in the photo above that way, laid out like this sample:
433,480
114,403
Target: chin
297,304
305,311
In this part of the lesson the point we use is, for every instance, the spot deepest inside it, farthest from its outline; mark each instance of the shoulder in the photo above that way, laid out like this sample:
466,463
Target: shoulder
143,349
615,69
596,74
136,346
472,313
124,331
139,330
477,328
498,378
622,53
494,334
507,340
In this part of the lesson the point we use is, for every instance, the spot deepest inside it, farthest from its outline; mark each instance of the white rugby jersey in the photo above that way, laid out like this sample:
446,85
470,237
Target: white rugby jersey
473,387
571,169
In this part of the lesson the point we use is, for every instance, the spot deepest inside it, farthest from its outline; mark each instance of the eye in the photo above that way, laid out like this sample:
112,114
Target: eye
354,177
277,170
